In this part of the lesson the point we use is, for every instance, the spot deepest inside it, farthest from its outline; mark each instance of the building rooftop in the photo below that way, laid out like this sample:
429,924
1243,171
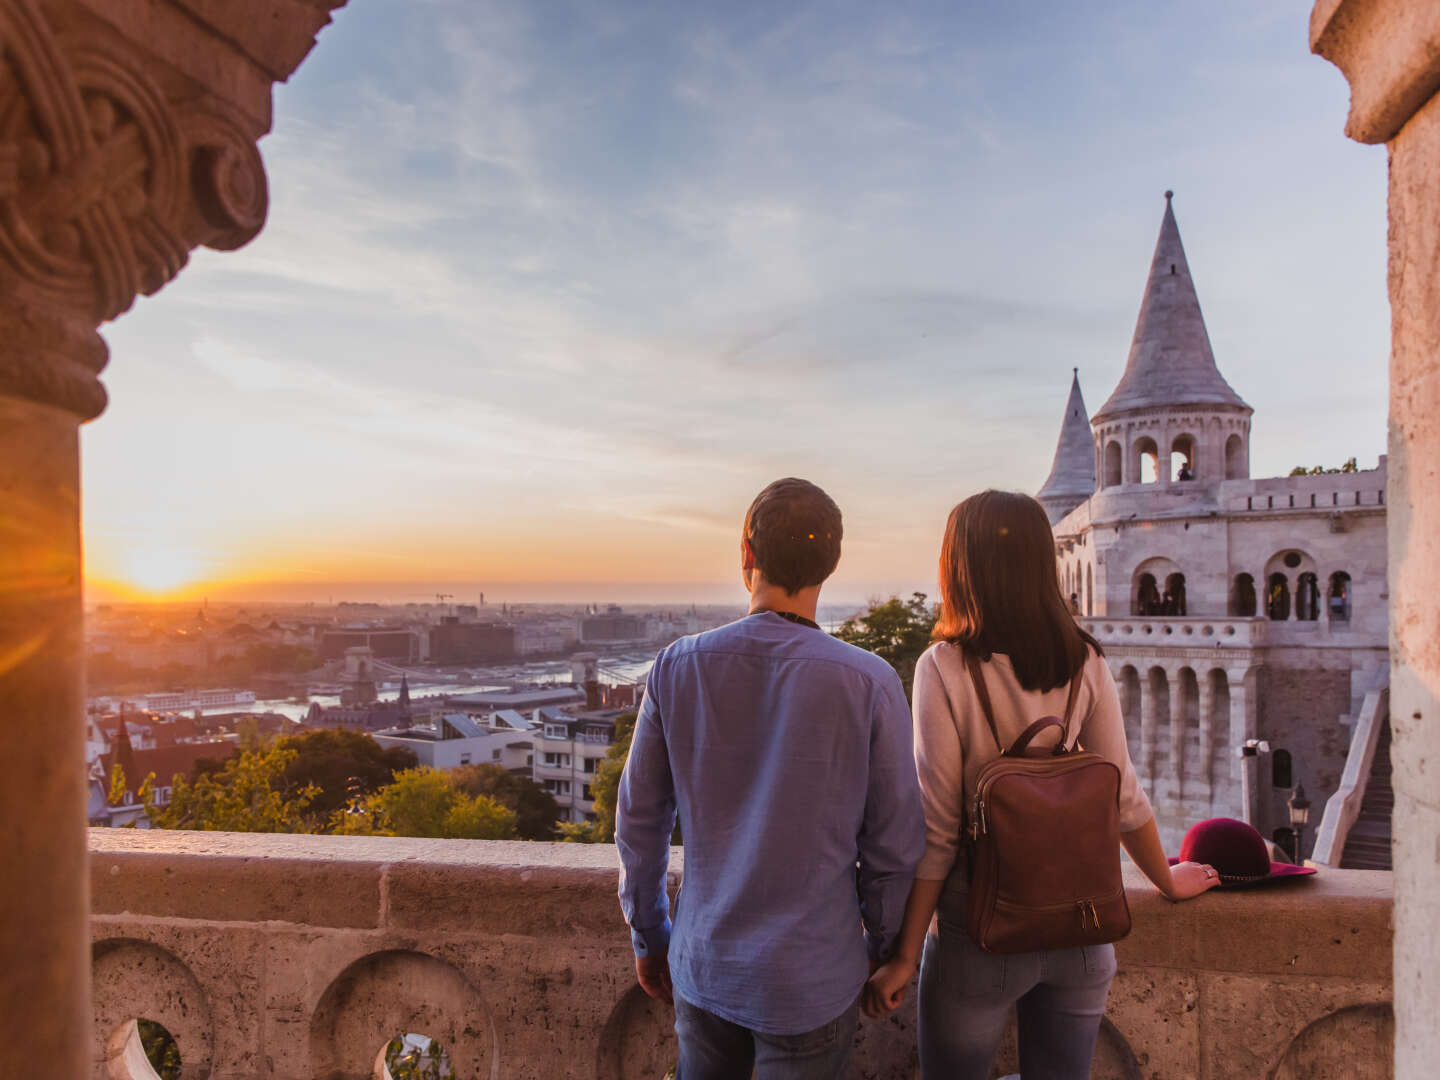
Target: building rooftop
1170,362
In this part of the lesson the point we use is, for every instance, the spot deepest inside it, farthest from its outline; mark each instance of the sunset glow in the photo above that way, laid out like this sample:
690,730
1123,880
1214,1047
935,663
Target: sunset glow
516,320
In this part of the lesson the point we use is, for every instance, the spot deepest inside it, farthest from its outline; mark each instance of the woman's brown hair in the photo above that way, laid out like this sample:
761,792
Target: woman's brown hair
1000,590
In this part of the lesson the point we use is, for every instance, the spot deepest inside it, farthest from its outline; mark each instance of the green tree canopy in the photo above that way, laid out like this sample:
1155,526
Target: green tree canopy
249,793
331,758
1350,466
426,802
895,630
536,810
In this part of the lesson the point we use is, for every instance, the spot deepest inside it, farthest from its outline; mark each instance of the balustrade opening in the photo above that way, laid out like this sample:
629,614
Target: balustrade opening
413,1057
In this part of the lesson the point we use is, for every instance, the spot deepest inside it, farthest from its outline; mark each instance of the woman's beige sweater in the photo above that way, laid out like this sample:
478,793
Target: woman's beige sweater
953,742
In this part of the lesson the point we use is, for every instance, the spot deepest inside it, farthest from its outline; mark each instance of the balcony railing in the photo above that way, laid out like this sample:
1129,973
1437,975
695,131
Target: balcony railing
293,957
1179,630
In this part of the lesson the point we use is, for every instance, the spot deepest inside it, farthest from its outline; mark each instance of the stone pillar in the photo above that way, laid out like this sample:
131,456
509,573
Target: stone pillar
1176,764
1389,50
1242,727
47,387
129,139
1207,731
1149,710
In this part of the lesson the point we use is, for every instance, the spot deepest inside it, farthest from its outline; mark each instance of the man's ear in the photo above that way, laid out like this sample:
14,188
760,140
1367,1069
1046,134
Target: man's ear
747,555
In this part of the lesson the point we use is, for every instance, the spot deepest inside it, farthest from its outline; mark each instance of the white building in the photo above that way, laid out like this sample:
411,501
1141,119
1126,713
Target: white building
454,739
1231,609
567,754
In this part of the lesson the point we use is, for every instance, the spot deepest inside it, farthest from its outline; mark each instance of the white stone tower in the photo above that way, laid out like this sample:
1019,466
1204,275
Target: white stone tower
1072,473
1172,407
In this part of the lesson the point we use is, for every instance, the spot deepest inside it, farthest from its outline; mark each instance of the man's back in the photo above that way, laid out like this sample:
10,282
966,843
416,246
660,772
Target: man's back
788,756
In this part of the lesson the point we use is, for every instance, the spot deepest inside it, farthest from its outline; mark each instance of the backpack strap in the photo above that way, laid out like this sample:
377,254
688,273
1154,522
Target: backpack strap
978,678
1070,709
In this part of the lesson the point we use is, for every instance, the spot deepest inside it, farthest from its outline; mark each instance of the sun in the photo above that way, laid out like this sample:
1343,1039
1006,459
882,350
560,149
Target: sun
159,569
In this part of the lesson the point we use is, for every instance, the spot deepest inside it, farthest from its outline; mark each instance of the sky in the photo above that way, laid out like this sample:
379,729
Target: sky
549,291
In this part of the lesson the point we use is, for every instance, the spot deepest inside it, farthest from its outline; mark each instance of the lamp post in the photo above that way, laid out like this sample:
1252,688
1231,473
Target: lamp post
1299,807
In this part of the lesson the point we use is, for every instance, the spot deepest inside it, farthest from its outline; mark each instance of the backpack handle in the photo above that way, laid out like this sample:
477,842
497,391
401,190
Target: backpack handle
977,677
1021,744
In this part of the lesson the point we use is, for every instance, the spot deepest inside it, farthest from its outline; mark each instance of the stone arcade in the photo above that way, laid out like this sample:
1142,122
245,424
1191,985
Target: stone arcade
1230,608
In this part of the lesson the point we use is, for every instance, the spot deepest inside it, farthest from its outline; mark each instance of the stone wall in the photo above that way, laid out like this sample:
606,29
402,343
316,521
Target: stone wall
1302,710
295,957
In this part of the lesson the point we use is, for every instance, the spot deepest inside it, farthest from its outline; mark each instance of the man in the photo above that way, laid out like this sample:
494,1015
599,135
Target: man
787,756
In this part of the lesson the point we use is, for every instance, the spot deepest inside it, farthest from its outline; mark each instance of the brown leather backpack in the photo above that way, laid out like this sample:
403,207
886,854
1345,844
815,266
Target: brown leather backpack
1044,839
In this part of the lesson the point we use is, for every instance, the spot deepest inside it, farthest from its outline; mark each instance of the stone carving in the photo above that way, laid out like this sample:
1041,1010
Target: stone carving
105,186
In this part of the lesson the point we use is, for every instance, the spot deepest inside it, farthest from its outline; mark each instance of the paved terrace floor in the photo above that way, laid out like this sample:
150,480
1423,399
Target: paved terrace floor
298,957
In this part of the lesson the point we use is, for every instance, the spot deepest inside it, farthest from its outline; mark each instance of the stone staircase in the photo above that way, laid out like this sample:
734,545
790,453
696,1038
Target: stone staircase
1367,847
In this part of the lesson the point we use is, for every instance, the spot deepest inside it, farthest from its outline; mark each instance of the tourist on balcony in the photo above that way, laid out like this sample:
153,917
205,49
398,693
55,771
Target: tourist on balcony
786,755
1001,601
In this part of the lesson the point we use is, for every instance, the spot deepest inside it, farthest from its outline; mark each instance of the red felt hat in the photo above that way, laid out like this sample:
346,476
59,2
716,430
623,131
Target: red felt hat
1236,851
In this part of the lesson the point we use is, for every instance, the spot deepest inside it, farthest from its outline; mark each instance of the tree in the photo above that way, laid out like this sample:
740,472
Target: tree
426,802
1350,466
341,765
119,788
536,810
895,630
248,794
604,789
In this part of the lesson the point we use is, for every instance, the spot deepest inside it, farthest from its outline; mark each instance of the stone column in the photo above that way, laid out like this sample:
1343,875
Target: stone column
1176,764
1242,727
1149,708
1207,731
1390,52
129,139
47,387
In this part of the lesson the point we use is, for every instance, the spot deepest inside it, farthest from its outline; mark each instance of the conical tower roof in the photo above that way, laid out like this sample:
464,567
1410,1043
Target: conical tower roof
1072,473
1170,358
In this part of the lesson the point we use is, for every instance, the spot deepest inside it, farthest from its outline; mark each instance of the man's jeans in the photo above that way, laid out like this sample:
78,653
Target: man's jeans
966,995
715,1049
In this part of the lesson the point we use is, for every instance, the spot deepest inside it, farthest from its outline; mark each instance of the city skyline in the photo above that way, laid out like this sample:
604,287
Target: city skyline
543,315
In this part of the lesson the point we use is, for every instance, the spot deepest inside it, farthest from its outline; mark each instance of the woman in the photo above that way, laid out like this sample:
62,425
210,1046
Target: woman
1001,600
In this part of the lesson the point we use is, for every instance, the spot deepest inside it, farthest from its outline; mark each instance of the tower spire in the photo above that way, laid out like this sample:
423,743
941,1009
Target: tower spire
1170,362
1072,472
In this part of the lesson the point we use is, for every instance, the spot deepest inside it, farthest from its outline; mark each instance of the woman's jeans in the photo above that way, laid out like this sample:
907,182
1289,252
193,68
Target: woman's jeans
966,994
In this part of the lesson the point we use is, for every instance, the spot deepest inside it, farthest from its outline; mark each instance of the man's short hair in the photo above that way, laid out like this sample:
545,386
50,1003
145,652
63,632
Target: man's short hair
794,530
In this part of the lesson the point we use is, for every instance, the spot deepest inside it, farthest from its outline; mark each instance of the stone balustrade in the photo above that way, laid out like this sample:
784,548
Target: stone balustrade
297,957
1213,631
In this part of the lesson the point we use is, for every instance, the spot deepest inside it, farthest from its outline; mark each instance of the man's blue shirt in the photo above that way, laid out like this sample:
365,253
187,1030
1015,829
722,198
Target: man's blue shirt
787,755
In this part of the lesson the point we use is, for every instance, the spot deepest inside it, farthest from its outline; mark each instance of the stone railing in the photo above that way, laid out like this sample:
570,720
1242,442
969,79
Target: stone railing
296,957
1191,630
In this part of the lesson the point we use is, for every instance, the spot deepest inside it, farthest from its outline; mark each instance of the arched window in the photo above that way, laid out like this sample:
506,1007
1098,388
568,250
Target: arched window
1113,458
1242,596
1340,597
1182,458
1281,770
1089,591
1147,596
1235,458
1307,597
1173,602
1147,461
1277,597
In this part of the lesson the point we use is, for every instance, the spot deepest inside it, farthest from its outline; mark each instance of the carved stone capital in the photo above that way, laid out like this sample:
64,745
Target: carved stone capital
113,165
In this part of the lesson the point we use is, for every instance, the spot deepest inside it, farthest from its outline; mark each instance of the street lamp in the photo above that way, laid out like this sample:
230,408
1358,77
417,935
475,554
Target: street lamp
1299,814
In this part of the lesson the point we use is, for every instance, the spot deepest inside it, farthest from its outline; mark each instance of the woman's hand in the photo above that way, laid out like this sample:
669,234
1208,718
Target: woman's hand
886,989
1189,879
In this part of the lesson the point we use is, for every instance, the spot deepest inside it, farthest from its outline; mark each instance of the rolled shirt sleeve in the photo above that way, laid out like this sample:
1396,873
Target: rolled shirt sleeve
892,834
644,822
